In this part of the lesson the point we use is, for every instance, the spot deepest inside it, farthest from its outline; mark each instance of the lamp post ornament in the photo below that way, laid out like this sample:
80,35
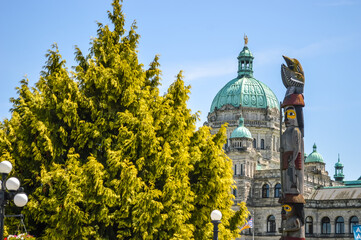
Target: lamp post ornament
9,190
216,217
292,152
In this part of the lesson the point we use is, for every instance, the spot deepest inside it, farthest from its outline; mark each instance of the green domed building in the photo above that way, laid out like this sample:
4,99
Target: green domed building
241,131
241,137
250,99
245,90
314,157
252,112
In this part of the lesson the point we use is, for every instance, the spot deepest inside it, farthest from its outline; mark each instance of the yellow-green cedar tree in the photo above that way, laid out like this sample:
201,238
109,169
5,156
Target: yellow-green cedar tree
104,156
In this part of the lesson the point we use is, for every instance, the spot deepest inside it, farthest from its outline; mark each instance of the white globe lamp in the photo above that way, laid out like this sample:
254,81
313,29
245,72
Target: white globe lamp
20,199
5,167
12,184
216,215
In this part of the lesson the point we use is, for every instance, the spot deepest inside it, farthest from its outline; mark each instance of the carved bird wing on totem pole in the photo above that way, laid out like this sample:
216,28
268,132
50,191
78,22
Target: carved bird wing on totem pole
292,76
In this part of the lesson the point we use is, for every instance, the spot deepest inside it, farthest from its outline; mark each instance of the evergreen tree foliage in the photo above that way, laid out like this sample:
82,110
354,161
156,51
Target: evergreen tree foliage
104,156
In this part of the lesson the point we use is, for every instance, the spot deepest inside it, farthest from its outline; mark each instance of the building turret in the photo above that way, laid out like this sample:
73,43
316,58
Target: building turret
245,61
339,171
314,157
241,137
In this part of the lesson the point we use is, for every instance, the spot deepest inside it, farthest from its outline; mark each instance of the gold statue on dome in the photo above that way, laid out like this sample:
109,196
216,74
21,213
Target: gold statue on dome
245,40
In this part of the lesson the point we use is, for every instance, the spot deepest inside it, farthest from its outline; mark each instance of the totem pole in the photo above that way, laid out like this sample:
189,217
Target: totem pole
292,152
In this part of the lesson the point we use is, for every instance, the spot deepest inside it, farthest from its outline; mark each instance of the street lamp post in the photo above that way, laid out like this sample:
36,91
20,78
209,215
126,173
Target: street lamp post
216,217
9,190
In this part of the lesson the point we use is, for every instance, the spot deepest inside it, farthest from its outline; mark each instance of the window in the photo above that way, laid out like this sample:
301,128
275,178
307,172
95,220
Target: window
271,224
254,143
340,225
262,143
278,190
353,221
325,226
274,143
242,169
235,192
252,169
309,225
265,191
237,144
235,169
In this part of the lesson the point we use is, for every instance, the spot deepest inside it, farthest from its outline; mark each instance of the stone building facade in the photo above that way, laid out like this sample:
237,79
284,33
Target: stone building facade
252,112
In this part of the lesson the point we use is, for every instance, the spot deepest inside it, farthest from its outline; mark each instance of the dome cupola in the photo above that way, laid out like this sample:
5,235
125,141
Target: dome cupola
245,61
241,131
314,156
241,137
339,171
245,90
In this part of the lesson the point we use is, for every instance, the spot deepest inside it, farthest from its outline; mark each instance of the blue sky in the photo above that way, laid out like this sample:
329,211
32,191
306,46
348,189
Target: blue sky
204,38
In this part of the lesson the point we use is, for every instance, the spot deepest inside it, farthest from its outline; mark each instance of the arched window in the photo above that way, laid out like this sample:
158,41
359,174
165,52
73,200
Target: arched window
271,224
265,191
246,169
262,143
340,225
325,225
278,190
254,143
353,221
309,225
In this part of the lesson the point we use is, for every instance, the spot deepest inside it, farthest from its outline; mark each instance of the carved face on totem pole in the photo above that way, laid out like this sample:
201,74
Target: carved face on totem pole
290,116
292,218
287,211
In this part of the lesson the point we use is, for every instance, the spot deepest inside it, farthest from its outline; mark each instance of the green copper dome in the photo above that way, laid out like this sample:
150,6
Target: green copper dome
338,164
245,53
241,131
339,176
245,90
314,156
